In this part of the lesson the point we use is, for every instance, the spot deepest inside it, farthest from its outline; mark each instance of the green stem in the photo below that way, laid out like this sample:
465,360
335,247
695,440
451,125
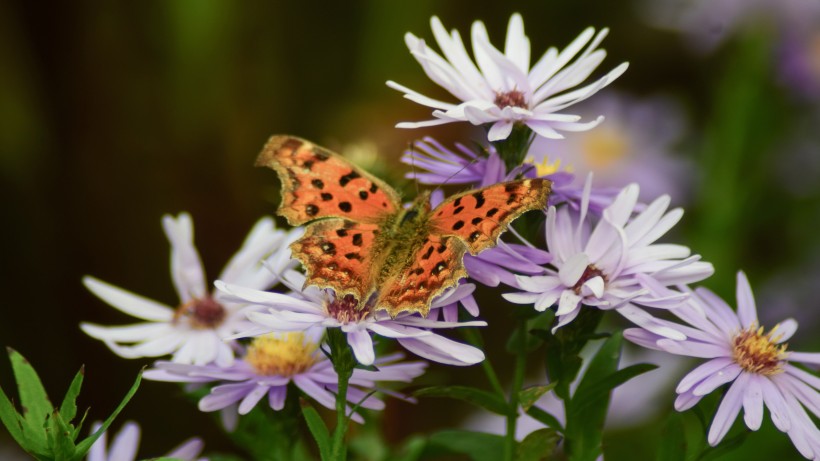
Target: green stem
517,384
343,364
474,338
338,448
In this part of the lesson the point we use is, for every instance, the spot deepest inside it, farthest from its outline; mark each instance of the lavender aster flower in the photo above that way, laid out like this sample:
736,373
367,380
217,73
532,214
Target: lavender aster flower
440,165
755,363
636,144
503,89
126,442
607,267
193,331
274,360
314,307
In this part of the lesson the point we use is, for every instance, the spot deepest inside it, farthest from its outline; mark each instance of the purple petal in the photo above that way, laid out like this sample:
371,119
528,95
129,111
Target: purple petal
753,402
702,372
727,374
362,345
727,411
746,310
440,349
276,397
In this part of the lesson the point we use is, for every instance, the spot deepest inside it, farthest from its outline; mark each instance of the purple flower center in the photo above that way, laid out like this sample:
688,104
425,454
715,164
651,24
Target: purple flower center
759,353
512,98
201,313
345,310
589,273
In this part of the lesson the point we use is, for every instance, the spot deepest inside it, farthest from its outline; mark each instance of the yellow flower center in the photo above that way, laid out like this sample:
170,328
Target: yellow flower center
759,353
545,167
286,354
201,314
604,147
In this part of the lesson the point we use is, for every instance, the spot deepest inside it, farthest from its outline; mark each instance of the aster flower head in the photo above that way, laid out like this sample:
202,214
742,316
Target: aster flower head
501,89
274,360
125,444
637,144
609,266
309,307
194,330
754,361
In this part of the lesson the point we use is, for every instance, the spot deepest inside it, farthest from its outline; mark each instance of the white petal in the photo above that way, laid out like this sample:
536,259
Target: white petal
186,267
130,303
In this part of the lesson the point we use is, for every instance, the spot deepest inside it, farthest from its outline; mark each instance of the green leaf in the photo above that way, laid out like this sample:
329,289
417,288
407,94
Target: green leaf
33,400
589,394
672,446
537,446
85,444
484,399
411,450
13,421
725,447
562,359
318,429
586,411
68,409
60,437
479,446
527,397
545,418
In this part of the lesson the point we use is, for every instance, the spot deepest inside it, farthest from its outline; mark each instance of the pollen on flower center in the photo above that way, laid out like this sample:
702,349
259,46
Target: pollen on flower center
287,354
201,313
512,98
604,147
546,167
345,310
589,273
759,353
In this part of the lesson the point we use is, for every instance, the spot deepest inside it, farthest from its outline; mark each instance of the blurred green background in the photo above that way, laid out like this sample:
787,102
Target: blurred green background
115,113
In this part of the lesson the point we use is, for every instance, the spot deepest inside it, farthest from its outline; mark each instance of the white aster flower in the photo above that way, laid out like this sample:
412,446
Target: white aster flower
756,365
503,89
310,307
609,267
193,332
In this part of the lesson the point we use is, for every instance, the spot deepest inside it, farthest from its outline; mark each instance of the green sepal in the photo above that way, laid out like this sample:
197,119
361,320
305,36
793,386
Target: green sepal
60,437
479,446
537,446
539,322
13,421
317,428
484,399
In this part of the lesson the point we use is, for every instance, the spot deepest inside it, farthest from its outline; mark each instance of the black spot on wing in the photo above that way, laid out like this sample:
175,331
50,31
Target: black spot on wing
326,196
347,178
458,225
328,248
317,183
477,220
479,199
311,210
428,252
345,206
341,232
357,239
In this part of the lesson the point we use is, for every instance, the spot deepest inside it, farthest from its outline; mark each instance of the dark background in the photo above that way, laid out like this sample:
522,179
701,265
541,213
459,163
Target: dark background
113,114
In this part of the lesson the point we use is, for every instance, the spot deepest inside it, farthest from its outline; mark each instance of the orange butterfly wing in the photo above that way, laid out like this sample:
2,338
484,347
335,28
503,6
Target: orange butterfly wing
471,221
478,217
338,254
317,183
432,268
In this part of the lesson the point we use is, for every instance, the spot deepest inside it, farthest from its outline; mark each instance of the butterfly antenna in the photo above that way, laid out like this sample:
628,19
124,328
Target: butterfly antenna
467,165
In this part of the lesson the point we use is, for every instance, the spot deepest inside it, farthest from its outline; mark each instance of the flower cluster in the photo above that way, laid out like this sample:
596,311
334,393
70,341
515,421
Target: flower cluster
267,325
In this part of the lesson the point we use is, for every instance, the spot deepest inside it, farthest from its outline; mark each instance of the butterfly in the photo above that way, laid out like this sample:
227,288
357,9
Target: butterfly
361,242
